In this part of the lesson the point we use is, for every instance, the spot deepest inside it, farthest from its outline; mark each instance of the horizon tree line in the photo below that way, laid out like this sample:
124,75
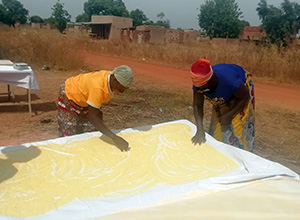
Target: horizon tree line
216,18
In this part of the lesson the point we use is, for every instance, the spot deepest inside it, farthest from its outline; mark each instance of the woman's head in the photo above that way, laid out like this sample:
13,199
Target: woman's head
121,78
201,72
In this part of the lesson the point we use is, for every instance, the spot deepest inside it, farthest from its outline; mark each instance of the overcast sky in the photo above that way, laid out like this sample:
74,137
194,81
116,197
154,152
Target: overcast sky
181,13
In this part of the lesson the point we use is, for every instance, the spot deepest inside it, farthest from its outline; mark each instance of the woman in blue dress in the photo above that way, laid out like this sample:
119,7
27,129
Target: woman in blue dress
230,90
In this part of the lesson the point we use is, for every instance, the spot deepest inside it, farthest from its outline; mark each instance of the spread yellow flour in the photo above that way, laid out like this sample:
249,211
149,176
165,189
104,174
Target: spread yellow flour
94,168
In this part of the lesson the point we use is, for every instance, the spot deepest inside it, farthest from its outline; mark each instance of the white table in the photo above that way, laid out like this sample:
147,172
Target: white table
21,78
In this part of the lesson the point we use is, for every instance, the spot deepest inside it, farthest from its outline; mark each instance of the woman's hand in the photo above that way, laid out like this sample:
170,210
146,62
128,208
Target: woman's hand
225,119
199,137
121,143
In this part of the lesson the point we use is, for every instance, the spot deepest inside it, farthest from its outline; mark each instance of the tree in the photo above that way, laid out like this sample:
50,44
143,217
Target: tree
15,12
242,24
291,14
262,9
36,19
83,18
5,17
60,16
161,21
105,7
279,23
221,18
138,16
50,20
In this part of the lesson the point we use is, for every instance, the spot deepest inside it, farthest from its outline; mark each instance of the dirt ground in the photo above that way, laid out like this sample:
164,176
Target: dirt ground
159,94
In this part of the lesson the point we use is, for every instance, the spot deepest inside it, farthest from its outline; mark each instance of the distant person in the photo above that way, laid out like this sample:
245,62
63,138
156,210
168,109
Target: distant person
81,97
230,90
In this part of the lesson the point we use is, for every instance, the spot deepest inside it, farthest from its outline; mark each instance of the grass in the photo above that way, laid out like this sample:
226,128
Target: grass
49,47
39,47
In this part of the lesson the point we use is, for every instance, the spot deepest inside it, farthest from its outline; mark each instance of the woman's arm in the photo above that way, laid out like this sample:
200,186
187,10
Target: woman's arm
242,98
198,102
95,117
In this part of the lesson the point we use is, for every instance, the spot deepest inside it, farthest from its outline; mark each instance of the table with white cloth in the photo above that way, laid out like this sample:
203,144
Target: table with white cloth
21,78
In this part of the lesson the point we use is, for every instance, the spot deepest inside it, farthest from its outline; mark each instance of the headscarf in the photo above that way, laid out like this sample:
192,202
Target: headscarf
124,75
201,72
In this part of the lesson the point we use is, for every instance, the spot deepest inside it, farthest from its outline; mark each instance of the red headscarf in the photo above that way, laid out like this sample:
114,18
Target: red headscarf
201,72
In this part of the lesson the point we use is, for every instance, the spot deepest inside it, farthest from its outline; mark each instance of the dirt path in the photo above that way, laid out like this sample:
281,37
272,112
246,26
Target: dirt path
275,95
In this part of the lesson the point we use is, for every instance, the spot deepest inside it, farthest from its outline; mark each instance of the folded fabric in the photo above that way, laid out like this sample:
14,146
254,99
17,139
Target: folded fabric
21,66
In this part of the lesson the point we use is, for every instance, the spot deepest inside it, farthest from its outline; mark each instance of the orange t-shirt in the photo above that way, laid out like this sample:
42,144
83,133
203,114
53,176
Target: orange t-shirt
89,88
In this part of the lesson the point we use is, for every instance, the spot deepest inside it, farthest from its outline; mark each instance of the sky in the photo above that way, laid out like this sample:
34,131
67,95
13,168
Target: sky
181,13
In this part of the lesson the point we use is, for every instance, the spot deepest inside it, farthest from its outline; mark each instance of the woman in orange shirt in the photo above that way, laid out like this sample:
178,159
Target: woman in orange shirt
80,99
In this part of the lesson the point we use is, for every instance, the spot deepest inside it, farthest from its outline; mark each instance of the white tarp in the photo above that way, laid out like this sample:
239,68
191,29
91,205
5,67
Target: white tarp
271,198
163,174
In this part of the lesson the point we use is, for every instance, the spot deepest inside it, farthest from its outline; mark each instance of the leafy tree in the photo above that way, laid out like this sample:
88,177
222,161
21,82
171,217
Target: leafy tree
291,14
150,22
36,19
60,16
83,18
262,9
5,17
13,12
221,18
138,16
279,23
50,20
105,7
243,23
161,21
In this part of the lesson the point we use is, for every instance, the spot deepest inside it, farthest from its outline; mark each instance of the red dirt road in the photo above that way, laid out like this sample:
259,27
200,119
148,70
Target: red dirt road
276,95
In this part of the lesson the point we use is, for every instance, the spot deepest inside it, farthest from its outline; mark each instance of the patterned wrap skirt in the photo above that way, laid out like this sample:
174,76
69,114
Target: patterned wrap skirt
240,133
72,118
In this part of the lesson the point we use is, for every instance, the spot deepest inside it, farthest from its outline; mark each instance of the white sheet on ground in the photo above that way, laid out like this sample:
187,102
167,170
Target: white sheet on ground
271,198
85,176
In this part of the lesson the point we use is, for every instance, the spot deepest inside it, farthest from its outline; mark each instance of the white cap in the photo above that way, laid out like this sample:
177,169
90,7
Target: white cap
124,75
